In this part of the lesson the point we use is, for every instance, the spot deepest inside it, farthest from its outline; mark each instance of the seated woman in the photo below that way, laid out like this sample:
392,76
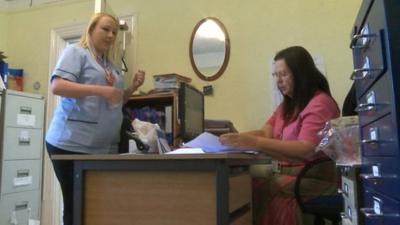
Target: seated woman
290,135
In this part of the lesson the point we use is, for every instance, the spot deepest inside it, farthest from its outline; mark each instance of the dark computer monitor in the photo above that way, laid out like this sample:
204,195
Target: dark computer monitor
191,111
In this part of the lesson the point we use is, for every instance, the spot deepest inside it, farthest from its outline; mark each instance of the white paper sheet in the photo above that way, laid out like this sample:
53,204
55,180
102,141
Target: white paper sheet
186,151
210,143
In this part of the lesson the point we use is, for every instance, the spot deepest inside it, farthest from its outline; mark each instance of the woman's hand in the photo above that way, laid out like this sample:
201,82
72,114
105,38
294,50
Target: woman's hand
239,140
112,95
138,79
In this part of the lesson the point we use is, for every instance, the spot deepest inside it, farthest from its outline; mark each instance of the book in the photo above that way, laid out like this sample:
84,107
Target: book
169,81
168,123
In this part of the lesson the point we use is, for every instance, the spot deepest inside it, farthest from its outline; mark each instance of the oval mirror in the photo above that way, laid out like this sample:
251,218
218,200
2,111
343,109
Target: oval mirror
209,49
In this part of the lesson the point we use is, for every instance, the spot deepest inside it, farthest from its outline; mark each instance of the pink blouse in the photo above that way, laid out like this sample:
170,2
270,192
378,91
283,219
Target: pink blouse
309,122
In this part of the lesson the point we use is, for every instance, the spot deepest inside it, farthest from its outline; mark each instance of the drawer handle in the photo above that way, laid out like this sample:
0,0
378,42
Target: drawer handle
356,37
377,179
23,173
364,107
365,35
344,216
24,141
363,73
374,141
25,110
370,213
22,205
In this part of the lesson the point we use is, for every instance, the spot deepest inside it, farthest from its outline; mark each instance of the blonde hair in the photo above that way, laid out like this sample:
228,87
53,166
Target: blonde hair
85,39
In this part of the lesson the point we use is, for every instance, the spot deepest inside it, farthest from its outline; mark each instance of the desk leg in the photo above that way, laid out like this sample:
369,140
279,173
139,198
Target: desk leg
78,197
222,189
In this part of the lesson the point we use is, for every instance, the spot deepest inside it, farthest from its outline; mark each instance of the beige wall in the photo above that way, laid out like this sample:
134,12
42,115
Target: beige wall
257,30
3,28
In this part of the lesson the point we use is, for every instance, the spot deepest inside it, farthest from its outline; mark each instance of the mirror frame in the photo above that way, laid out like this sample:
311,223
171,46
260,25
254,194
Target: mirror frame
227,50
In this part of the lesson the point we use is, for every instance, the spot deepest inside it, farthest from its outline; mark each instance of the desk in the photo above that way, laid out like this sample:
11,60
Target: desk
196,189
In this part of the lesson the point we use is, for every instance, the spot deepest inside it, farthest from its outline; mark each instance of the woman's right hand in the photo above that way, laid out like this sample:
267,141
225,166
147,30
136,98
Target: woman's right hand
112,95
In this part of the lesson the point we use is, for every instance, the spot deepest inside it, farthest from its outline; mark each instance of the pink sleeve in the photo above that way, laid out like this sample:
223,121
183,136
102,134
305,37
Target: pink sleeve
321,109
271,121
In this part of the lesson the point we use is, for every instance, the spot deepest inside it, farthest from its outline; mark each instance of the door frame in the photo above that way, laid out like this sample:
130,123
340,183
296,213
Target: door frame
52,196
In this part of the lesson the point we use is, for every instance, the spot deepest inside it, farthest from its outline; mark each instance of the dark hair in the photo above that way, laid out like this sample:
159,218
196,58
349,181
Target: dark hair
307,80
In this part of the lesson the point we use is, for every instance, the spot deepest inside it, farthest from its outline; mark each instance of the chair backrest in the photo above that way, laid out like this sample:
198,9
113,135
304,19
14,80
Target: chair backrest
323,199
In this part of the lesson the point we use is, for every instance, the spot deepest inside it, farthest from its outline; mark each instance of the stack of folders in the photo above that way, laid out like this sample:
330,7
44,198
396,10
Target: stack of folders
169,81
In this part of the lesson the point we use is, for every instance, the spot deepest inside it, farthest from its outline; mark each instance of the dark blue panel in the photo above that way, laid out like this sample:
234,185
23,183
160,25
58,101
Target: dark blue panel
379,138
382,175
368,49
379,209
378,98
377,101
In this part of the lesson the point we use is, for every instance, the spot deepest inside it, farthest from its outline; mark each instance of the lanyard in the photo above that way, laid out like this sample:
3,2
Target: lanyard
103,62
108,73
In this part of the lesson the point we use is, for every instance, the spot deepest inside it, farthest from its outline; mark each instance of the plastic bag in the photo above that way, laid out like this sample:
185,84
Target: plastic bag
341,140
147,133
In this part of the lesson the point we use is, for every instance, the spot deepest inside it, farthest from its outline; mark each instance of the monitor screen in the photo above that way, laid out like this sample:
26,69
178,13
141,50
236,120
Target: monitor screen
191,111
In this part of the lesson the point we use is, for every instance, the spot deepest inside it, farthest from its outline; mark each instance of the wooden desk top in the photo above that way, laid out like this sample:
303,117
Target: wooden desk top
227,156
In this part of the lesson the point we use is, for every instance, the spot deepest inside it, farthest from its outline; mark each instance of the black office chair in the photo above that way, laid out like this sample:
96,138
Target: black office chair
322,207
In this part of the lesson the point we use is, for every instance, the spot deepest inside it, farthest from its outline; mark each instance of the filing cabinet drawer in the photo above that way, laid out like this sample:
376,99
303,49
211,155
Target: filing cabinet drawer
351,195
239,191
382,174
376,102
22,143
379,138
23,111
21,175
380,209
351,214
349,192
368,49
20,206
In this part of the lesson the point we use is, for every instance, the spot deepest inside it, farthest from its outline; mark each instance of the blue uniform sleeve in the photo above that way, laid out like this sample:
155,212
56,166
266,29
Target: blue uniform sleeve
69,64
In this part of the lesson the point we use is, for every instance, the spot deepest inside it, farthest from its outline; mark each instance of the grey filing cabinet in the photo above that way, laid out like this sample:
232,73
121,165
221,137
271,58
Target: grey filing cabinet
21,156
352,194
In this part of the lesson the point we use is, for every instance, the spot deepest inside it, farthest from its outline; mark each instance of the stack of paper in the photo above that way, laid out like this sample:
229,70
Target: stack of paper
210,143
186,151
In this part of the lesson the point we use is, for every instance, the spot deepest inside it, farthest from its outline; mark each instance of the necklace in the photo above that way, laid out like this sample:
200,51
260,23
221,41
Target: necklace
103,62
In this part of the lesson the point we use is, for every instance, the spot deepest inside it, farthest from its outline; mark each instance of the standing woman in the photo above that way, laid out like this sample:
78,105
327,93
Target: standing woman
88,117
290,136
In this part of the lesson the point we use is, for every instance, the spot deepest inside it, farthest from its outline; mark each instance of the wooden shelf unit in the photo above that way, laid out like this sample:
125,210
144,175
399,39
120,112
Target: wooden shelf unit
159,101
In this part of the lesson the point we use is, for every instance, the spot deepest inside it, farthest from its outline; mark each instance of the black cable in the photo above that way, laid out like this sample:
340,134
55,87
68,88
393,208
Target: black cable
124,66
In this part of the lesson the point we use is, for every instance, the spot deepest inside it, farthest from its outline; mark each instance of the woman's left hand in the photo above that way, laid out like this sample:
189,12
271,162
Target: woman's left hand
239,140
138,79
